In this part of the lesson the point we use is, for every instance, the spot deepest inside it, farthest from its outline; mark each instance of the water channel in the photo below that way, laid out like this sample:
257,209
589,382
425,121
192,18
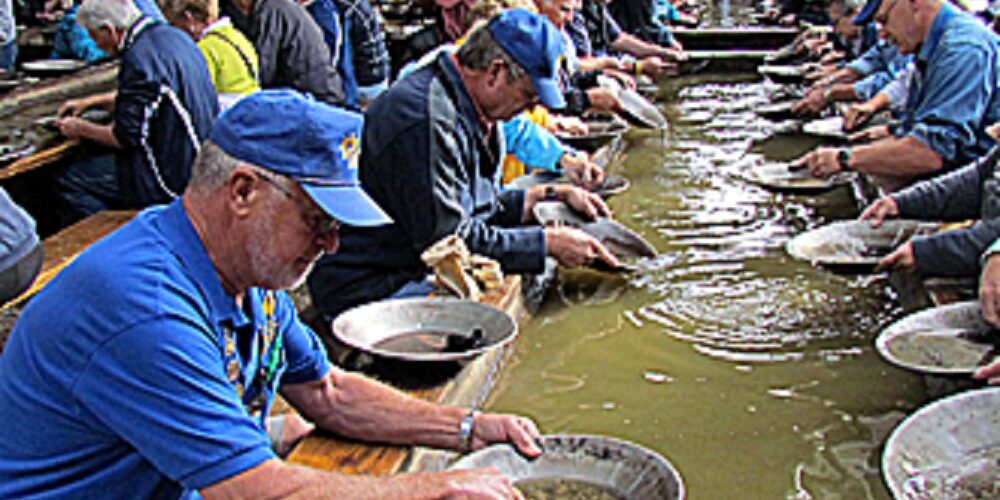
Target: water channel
753,373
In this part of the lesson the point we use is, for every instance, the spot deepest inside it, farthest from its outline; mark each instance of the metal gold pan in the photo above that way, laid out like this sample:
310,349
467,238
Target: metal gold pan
629,470
425,329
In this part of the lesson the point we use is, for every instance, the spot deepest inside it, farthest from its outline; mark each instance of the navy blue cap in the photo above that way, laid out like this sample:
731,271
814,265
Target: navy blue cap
312,143
867,13
534,43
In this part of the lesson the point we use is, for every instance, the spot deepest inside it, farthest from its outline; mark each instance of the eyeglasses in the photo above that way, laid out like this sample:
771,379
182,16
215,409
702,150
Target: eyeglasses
884,18
321,225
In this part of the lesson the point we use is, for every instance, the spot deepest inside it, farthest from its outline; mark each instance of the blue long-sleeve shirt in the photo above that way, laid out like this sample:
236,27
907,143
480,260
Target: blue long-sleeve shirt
956,92
532,144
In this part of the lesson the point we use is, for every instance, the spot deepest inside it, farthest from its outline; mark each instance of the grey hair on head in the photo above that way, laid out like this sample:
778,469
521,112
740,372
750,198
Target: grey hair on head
480,50
200,10
211,168
118,14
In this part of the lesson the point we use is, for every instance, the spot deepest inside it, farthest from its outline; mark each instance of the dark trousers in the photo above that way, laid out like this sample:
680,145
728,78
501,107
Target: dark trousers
87,186
17,278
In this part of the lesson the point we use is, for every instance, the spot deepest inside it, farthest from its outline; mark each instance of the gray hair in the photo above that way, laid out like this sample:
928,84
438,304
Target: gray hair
201,10
118,14
212,167
480,49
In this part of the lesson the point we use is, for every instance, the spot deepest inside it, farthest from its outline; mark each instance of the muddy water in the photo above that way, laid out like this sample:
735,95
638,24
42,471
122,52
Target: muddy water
754,374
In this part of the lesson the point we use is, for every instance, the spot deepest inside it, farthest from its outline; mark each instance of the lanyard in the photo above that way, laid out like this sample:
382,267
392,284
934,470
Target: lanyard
269,350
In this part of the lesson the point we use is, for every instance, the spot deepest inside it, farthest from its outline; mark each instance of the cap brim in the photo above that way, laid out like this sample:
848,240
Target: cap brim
348,204
549,93
867,13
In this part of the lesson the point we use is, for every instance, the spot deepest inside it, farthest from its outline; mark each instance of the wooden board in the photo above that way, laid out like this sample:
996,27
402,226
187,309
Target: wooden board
39,159
734,38
62,247
469,386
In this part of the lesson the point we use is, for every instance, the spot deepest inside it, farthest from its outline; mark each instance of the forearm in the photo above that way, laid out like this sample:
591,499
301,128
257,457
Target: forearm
842,92
275,479
955,195
357,407
631,45
895,157
103,101
955,253
101,134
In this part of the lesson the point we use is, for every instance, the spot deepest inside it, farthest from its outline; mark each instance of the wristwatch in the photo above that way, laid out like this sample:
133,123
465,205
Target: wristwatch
844,159
550,193
827,94
465,428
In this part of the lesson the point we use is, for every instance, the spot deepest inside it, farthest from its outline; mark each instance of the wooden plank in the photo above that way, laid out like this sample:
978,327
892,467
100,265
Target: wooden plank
734,38
724,60
470,385
39,159
62,247
84,82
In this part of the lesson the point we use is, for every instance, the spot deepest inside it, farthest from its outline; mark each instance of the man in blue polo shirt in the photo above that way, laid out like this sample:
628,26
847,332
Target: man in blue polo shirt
953,97
146,369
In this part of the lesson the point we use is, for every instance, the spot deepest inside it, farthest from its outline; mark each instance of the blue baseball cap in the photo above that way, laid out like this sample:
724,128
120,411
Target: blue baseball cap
867,13
312,143
534,43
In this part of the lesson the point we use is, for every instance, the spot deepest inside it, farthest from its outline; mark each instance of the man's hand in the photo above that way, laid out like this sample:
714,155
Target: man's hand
881,209
604,99
71,127
74,107
900,259
870,134
569,124
812,103
990,372
479,484
492,428
574,248
989,297
858,114
831,57
583,201
580,170
654,66
822,162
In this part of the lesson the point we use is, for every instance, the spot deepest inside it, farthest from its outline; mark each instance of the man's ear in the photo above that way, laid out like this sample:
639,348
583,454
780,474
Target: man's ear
243,190
495,72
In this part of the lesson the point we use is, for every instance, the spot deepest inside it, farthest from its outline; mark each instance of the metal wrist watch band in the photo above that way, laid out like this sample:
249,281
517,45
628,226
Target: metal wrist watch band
465,428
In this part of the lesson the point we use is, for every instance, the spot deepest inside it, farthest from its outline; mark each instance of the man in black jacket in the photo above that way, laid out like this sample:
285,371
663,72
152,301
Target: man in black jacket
429,158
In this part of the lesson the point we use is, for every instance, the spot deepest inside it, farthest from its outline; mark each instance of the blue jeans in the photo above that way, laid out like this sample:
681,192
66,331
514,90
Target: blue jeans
8,54
88,186
420,288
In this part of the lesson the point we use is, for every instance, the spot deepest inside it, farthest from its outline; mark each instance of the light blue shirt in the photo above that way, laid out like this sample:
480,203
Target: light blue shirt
955,93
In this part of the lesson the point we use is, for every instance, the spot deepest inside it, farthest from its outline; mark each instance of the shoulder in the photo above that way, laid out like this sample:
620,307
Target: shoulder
127,277
964,34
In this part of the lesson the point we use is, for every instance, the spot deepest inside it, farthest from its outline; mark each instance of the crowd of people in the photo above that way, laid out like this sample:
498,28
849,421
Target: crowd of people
260,136
934,67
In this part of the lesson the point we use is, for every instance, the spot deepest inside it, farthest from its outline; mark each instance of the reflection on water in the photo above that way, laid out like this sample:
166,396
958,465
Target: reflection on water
754,373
